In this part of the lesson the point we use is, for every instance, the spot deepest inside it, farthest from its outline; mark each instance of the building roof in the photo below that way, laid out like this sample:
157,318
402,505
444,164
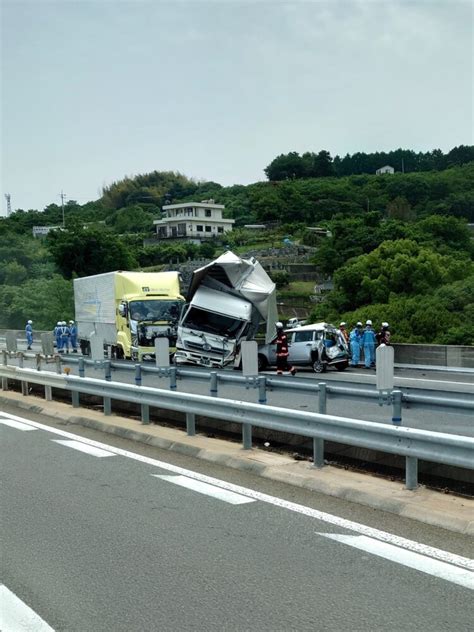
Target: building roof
189,204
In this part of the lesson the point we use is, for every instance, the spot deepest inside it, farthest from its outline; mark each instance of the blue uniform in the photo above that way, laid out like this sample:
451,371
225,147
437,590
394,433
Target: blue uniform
64,338
355,340
73,338
57,335
29,335
368,342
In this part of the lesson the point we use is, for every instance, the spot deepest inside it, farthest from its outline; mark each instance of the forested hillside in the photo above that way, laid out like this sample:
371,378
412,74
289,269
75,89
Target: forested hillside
400,249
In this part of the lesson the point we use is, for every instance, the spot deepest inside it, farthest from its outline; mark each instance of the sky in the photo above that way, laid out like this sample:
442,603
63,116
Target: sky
96,90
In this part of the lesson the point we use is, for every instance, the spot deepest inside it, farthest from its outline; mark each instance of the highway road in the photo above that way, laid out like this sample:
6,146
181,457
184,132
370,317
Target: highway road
100,536
452,422
118,536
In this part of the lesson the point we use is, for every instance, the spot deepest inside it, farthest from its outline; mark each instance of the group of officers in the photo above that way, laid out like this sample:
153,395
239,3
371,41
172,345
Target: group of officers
365,340
65,335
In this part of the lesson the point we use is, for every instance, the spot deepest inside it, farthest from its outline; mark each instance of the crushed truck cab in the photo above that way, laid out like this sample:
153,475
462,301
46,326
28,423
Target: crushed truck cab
228,299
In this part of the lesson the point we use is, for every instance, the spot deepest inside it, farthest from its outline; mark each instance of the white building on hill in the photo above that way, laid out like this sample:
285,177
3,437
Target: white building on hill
193,220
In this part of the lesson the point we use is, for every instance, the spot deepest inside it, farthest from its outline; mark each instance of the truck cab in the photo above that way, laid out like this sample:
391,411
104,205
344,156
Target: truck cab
211,328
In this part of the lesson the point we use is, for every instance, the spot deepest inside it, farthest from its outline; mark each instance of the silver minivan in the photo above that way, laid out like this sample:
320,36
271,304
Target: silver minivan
319,345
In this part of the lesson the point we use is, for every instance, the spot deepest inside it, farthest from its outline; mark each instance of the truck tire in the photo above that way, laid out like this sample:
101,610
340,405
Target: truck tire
262,362
342,366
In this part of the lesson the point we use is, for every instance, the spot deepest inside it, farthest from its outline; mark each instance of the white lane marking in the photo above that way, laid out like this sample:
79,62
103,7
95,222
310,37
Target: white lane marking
419,562
384,536
82,447
16,424
205,488
16,616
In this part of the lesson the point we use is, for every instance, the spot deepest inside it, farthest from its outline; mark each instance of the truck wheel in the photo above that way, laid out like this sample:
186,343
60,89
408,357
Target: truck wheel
262,362
318,366
119,354
342,366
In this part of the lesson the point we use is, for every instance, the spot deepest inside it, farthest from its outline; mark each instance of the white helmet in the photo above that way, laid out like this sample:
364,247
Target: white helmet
358,324
342,325
58,324
71,322
368,322
30,322
385,324
279,325
63,322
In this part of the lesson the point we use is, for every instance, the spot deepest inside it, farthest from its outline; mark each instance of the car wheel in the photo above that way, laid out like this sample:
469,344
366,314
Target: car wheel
342,366
262,362
318,366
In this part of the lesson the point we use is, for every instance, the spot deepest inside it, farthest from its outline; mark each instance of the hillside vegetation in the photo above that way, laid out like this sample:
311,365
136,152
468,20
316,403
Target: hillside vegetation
400,249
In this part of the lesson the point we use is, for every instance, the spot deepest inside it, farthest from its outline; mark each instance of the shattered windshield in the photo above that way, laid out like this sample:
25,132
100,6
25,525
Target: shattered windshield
155,310
211,323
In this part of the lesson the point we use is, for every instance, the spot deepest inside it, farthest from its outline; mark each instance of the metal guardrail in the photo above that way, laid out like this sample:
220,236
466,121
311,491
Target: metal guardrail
460,402
411,443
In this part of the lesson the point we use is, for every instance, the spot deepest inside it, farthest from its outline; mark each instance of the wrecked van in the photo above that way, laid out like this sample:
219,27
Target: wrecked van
318,346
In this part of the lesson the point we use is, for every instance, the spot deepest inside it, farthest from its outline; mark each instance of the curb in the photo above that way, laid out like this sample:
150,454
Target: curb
430,507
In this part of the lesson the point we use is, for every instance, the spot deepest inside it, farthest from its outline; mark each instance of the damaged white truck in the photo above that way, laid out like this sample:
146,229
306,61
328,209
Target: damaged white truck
227,301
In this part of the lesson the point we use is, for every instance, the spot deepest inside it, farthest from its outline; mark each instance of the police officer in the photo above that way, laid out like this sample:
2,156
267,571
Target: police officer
73,335
57,335
355,340
29,334
368,342
282,351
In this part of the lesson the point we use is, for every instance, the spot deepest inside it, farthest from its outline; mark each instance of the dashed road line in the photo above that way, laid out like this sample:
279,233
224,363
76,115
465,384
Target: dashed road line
205,488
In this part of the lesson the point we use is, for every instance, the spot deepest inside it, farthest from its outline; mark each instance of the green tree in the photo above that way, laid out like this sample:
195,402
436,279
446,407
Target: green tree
85,252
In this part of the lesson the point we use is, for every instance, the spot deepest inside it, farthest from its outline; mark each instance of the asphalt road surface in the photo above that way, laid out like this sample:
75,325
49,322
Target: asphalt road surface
119,536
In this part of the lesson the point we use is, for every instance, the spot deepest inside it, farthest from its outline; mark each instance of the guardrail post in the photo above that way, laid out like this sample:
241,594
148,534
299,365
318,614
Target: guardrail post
24,388
107,406
213,389
21,360
4,384
318,452
397,407
247,436
108,371
318,443
322,403
48,393
138,375
262,389
190,424
38,361
411,472
4,357
75,399
57,360
145,412
81,367
173,376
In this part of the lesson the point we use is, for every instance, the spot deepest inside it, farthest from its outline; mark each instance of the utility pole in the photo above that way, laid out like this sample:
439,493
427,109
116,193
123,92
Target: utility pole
403,165
8,198
62,196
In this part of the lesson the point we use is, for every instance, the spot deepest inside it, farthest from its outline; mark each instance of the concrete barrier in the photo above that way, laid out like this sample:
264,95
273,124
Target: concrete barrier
452,356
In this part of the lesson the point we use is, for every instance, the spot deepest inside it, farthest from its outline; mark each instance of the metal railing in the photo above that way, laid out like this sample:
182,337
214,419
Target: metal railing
412,396
413,444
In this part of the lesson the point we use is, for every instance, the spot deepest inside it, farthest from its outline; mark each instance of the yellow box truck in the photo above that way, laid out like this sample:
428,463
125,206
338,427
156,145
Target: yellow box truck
128,310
